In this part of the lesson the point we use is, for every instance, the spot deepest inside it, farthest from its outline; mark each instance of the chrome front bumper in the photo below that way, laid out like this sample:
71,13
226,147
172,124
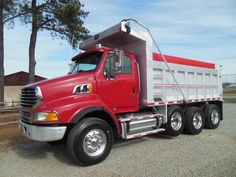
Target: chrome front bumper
42,133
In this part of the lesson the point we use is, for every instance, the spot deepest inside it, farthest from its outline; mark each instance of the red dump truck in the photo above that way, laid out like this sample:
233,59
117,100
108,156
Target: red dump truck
118,87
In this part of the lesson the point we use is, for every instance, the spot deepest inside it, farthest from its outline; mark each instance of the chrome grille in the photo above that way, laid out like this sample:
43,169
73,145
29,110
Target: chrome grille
28,97
25,114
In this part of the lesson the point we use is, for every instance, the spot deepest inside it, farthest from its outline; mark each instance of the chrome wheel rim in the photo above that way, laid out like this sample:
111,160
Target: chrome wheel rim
215,116
197,120
94,142
176,121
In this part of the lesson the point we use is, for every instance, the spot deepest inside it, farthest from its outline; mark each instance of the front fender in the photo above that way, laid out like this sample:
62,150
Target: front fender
71,109
81,113
94,109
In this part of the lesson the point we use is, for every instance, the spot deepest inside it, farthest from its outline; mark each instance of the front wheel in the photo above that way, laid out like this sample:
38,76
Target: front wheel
90,141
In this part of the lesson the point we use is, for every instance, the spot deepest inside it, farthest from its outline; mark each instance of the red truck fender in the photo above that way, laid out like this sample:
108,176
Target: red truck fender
99,112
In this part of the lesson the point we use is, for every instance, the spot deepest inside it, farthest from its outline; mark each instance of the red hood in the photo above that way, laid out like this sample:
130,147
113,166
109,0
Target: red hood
54,89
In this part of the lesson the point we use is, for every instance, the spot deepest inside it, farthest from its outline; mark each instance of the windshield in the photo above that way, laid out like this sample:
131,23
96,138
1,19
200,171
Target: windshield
86,63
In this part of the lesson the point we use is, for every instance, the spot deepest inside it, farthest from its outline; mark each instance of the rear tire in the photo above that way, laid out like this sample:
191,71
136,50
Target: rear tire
90,141
194,121
175,121
212,116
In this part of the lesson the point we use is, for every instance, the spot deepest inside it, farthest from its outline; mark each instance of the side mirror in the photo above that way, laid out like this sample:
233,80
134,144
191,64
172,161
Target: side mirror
114,64
119,58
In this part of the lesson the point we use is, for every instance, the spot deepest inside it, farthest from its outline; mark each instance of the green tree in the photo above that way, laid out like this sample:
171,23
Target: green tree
9,10
62,18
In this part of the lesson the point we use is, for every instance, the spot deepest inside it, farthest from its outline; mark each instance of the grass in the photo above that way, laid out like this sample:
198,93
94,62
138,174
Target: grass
230,91
230,100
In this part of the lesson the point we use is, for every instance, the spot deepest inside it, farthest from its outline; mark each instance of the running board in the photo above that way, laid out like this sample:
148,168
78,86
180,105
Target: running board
137,135
140,124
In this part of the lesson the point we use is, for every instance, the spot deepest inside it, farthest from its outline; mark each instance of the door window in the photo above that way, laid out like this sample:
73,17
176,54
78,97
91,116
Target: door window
110,65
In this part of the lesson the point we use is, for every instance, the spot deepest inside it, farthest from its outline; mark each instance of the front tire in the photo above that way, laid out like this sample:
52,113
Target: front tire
194,121
90,141
175,121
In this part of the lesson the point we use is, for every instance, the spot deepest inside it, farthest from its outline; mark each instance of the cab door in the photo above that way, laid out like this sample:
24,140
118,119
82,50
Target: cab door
120,89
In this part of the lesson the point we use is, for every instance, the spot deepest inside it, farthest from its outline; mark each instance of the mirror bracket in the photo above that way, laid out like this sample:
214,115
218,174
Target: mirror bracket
119,54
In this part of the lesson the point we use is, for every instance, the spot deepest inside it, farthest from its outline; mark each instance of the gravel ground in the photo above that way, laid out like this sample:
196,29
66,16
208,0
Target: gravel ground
212,153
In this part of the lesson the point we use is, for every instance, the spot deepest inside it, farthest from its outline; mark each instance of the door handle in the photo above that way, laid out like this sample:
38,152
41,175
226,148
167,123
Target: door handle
133,89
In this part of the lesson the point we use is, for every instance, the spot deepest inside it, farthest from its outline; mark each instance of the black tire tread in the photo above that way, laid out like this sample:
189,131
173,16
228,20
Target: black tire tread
81,126
168,130
189,128
207,112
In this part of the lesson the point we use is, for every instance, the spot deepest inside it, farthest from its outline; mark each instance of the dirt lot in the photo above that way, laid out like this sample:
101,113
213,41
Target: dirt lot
212,153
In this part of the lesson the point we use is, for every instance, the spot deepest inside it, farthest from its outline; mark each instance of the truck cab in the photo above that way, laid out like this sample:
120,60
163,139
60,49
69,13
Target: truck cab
99,79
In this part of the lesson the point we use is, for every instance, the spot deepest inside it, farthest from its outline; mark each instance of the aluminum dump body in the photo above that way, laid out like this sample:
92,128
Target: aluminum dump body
197,81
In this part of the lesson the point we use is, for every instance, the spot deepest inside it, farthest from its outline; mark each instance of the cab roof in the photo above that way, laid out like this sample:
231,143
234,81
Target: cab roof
100,49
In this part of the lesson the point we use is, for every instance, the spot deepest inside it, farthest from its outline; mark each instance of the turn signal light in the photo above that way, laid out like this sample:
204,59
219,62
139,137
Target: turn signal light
51,116
46,117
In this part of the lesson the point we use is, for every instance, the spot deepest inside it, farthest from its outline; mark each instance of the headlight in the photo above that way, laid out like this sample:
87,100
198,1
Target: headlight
46,117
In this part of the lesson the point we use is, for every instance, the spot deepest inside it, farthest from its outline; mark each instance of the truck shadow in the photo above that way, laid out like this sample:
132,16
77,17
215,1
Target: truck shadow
118,142
39,150
160,136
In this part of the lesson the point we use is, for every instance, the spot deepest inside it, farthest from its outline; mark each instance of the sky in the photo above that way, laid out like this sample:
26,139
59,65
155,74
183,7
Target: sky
204,30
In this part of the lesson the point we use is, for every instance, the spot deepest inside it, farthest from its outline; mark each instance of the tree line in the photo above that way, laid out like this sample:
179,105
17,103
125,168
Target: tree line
62,18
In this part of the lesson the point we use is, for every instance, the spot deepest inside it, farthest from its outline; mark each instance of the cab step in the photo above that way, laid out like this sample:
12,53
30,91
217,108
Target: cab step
140,124
137,135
